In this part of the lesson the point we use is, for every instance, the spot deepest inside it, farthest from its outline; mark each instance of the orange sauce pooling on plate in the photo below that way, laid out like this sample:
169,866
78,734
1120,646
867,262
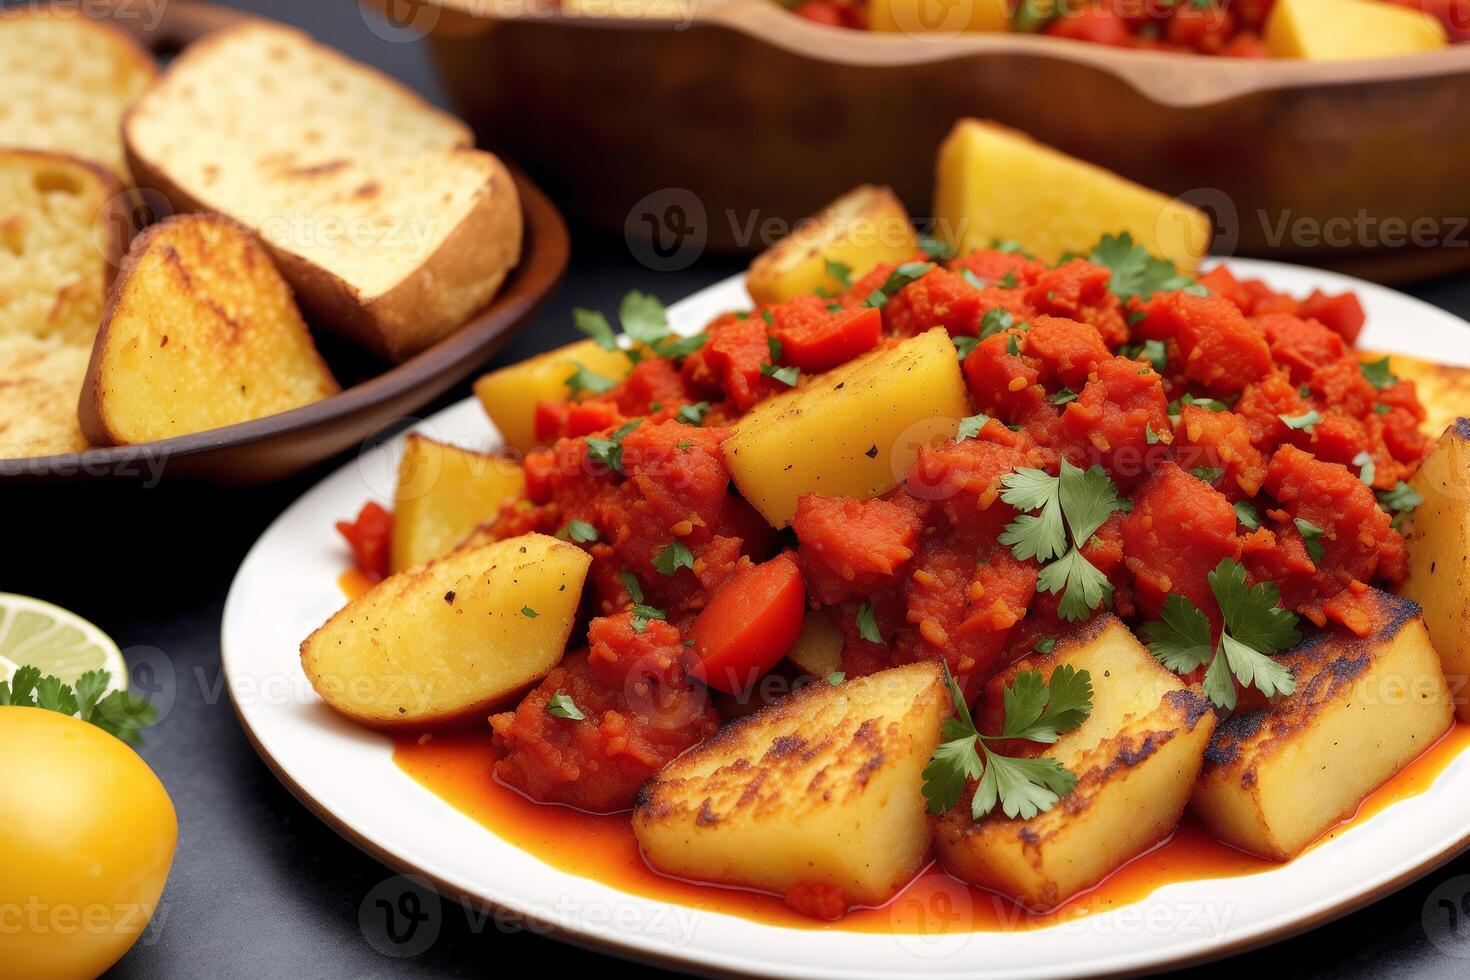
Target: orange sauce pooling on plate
459,769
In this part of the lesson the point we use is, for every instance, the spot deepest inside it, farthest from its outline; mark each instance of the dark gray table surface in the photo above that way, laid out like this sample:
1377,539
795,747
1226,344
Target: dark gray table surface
260,887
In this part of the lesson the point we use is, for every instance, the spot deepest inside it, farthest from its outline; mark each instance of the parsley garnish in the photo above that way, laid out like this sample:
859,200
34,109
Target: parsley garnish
528,612
1076,500
561,705
994,321
936,250
965,346
1402,499
897,279
609,452
578,531
595,325
1149,435
788,376
1135,271
1366,468
1255,627
1045,645
836,677
970,427
840,271
693,414
1207,473
585,380
1378,374
1245,513
867,623
673,558
643,318
1307,422
1035,710
1311,535
642,614
119,714
1063,396
1209,404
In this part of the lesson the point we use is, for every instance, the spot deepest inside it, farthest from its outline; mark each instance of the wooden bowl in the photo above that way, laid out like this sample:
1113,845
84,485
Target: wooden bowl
760,115
271,448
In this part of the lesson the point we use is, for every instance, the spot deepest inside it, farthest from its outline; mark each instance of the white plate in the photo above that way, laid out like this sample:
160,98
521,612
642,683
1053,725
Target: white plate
288,585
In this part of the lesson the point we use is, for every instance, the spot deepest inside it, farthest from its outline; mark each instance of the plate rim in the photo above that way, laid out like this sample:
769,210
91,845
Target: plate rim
689,959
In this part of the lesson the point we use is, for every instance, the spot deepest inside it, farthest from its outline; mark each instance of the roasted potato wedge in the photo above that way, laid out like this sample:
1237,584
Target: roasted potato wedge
1136,758
850,431
1438,536
450,640
998,184
511,393
444,493
1275,779
821,789
863,228
200,332
1338,30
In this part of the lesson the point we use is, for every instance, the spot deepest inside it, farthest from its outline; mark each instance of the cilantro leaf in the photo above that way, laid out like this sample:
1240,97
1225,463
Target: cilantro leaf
786,375
643,614
643,317
673,558
836,678
561,705
965,346
594,325
1068,706
20,691
840,271
1045,644
1209,404
1029,489
1253,668
1366,468
1208,474
1306,422
1219,684
970,427
673,347
578,531
867,623
955,762
528,612
1135,271
584,380
53,695
1378,374
1062,397
120,714
1180,639
1245,513
631,586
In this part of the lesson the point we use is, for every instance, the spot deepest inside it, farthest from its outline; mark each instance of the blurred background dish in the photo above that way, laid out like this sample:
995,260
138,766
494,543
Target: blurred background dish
726,115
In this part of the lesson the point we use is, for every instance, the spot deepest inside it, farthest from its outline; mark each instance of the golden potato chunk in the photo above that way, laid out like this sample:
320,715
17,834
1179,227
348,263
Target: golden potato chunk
818,647
1438,538
863,228
851,431
450,640
511,393
444,493
922,17
200,332
998,184
822,788
1336,30
1275,779
1136,758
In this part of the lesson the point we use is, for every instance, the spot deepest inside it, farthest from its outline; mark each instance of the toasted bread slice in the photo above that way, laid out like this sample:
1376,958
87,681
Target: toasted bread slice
389,226
62,232
68,81
200,332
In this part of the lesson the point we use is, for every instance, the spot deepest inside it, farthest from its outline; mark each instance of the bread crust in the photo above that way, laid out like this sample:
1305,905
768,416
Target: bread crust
431,300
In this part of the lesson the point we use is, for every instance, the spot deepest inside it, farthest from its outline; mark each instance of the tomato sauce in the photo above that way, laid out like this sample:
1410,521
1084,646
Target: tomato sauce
459,769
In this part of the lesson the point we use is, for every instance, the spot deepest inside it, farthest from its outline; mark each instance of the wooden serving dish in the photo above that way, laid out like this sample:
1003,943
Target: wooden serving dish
763,115
374,394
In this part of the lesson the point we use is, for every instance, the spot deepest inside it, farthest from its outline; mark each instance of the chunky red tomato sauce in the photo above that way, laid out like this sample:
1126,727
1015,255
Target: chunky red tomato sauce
1236,421
1233,28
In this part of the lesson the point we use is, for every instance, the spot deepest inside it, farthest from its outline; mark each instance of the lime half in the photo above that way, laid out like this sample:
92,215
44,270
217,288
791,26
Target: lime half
57,642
